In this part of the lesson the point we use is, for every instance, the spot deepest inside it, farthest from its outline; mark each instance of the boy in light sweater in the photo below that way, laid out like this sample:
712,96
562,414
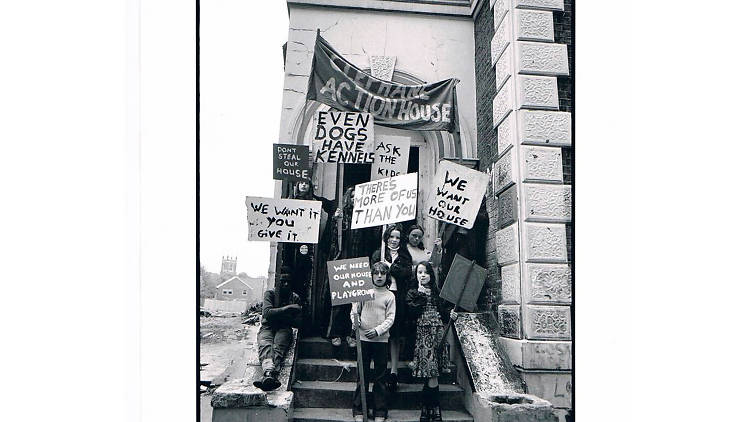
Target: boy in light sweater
373,322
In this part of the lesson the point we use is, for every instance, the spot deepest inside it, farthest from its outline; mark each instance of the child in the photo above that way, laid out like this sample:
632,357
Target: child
373,319
430,312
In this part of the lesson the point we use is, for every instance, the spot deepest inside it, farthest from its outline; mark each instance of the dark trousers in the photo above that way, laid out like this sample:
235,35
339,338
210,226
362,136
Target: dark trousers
378,354
340,323
272,345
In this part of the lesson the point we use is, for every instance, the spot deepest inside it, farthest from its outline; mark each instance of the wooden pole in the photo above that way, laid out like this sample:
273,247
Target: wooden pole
455,308
340,205
361,367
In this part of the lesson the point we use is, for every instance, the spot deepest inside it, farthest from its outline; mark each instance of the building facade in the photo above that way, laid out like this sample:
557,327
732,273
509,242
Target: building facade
514,60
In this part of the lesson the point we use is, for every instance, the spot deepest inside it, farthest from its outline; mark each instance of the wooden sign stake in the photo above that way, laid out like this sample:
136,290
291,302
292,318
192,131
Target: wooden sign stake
361,367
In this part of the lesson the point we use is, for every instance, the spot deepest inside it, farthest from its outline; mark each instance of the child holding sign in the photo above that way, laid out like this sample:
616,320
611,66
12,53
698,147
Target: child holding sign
373,319
431,312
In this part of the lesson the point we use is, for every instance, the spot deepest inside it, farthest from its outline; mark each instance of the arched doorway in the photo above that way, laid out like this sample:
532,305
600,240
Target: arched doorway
330,181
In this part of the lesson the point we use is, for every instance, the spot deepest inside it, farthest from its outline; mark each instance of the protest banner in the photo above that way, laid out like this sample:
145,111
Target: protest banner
350,281
343,137
456,194
291,162
282,220
340,84
391,157
463,283
385,201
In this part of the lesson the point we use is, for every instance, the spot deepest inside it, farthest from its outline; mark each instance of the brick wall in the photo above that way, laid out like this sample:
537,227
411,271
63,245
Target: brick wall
486,141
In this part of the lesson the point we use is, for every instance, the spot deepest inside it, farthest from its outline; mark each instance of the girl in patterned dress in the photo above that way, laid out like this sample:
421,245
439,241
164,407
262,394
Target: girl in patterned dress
429,355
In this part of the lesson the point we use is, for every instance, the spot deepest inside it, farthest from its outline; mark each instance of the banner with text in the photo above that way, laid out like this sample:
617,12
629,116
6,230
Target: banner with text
282,220
350,281
343,137
456,194
385,201
391,157
338,83
291,162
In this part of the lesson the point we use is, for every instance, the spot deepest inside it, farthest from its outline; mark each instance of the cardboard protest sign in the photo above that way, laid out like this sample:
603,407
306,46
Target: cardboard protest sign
456,194
343,137
385,201
282,220
291,162
350,281
391,157
463,276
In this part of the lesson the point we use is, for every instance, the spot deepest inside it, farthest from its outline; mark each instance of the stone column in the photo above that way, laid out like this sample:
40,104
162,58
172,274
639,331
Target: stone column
533,203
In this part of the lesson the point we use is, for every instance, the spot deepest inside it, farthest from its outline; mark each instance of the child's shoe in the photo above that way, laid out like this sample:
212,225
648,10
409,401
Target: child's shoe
336,341
379,419
351,342
359,418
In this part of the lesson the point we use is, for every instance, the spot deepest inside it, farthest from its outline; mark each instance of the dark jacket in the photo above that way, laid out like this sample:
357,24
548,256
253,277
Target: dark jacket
274,317
416,302
400,269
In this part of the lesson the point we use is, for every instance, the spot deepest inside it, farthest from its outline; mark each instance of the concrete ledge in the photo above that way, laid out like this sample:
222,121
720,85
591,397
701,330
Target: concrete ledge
539,4
239,400
510,408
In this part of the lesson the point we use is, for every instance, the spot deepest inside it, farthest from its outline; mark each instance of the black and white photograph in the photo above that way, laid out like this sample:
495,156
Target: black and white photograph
390,235
373,210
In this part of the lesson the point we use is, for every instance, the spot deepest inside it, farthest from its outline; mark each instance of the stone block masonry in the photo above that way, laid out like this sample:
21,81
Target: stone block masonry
529,112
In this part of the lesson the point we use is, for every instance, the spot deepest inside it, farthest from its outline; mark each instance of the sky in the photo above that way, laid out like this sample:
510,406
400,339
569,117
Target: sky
241,83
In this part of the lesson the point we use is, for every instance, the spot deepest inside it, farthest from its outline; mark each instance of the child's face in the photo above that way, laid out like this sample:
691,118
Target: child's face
379,275
423,277
394,239
415,237
303,187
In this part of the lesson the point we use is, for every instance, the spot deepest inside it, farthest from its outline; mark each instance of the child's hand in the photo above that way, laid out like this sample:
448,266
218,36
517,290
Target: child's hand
423,289
371,333
338,213
454,315
439,244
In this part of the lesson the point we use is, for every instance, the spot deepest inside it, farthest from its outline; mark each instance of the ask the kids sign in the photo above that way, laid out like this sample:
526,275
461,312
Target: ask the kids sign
456,194
338,83
350,281
343,137
282,220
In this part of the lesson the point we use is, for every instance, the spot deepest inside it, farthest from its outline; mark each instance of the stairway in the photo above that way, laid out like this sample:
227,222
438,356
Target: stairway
326,376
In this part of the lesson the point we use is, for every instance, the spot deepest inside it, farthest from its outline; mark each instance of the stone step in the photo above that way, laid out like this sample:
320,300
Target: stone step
309,369
307,414
326,394
321,348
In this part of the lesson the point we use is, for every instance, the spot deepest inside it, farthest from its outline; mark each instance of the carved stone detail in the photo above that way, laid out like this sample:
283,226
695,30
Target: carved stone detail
506,245
550,203
540,4
509,320
553,128
536,58
510,280
542,164
503,68
534,25
499,9
507,204
537,92
504,173
500,40
546,355
547,322
548,283
382,66
546,243
506,132
502,104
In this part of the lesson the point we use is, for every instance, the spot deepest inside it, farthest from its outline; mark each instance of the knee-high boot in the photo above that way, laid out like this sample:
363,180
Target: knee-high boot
435,413
424,416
